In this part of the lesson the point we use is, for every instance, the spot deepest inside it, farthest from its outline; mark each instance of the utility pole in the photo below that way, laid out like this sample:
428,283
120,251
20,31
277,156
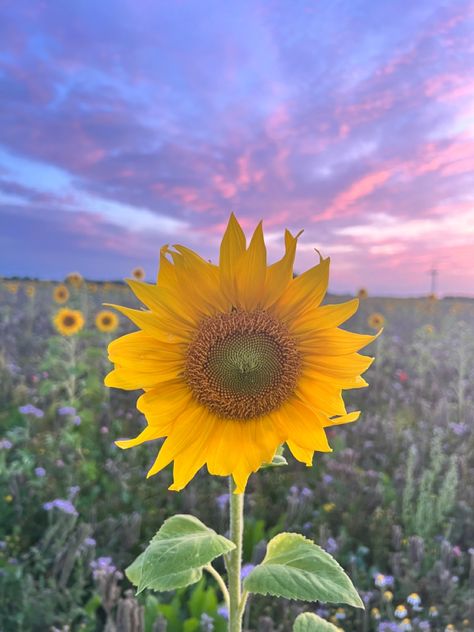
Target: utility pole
434,275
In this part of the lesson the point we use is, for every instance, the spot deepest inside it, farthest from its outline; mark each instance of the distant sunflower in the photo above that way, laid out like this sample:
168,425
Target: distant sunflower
75,279
362,293
30,290
60,294
92,287
376,320
432,297
236,359
138,273
106,321
11,287
68,321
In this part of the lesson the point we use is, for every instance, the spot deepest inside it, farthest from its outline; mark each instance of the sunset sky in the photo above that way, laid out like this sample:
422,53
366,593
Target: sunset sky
128,124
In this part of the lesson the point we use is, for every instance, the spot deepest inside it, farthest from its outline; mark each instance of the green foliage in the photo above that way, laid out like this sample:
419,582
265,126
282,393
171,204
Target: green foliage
296,568
177,554
309,622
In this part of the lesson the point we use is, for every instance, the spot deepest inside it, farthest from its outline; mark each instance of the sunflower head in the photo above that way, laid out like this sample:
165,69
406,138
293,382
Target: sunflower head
75,279
60,294
106,321
362,293
30,290
237,358
138,273
11,287
376,320
68,321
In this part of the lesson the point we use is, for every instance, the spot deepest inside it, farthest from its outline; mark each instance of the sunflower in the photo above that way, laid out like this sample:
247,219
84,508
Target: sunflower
11,287
75,279
362,293
60,294
236,359
106,321
138,274
376,320
68,321
30,290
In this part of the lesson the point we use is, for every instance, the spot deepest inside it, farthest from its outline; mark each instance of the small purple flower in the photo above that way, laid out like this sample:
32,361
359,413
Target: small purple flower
306,492
102,566
5,444
73,491
65,506
331,546
40,472
90,542
104,430
222,501
3,545
459,429
66,410
29,409
246,570
223,611
327,479
76,420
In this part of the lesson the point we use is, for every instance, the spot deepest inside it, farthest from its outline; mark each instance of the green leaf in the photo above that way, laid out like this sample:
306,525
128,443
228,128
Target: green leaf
296,568
170,582
277,461
309,622
176,555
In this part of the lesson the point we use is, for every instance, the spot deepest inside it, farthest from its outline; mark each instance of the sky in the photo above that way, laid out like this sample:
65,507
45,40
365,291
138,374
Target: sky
129,124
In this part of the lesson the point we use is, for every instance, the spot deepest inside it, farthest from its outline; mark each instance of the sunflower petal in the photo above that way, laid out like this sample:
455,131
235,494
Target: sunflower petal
251,272
323,317
280,273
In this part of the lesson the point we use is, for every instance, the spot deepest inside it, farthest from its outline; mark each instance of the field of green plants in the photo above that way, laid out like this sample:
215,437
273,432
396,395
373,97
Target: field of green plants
394,502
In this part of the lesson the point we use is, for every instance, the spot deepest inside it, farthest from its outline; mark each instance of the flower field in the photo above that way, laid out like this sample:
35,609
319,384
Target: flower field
393,502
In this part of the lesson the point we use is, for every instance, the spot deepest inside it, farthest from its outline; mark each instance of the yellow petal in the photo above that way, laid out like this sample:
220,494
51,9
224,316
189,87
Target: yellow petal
164,301
302,425
164,329
347,366
131,379
233,246
335,342
323,317
280,274
168,400
148,434
344,419
145,353
304,292
301,454
251,272
324,396
166,273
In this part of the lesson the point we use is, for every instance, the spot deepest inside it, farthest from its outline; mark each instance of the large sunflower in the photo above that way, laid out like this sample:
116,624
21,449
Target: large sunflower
236,359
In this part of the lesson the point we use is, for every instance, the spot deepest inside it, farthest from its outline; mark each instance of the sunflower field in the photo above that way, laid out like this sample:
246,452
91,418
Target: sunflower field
393,503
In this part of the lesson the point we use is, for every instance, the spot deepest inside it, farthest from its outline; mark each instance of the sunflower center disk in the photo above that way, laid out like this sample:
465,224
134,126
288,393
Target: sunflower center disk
242,365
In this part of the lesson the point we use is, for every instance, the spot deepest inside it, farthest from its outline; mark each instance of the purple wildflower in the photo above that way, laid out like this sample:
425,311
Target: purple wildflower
76,420
90,542
223,611
102,566
29,409
246,569
65,506
40,472
66,410
5,444
331,545
222,501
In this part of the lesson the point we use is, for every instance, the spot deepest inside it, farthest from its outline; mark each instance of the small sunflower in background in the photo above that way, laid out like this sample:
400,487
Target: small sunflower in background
60,294
75,279
138,273
92,287
432,297
362,293
429,329
106,321
30,290
237,359
11,287
68,321
376,320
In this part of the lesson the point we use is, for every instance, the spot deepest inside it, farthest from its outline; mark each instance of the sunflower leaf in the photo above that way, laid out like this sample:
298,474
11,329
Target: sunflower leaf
309,622
296,568
277,461
176,554
166,582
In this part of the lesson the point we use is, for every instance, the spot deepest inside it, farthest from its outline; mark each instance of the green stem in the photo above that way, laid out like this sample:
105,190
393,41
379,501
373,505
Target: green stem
212,571
235,559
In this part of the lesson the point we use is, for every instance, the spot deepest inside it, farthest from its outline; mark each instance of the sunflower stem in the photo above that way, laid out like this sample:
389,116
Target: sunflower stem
235,559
